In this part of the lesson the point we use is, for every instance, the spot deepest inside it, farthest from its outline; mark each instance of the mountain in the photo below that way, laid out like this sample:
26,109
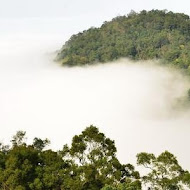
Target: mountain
155,34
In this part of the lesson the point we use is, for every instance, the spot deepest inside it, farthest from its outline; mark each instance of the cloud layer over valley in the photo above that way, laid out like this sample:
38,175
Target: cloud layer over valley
135,104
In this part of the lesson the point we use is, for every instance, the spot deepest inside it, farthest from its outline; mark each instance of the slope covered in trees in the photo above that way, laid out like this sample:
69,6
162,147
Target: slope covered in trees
90,163
146,35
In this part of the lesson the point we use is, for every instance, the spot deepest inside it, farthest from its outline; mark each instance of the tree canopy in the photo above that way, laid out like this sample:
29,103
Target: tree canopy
89,163
165,172
155,34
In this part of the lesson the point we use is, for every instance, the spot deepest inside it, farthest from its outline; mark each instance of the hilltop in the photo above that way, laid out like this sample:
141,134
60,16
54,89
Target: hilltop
156,34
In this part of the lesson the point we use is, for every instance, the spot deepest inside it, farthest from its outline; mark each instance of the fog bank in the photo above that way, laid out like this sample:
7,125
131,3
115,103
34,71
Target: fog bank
135,104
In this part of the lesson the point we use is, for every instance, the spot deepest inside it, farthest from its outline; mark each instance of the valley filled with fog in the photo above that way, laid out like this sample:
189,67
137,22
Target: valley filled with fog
135,104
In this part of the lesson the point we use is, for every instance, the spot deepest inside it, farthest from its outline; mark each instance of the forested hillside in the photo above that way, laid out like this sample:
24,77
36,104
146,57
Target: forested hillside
140,36
90,163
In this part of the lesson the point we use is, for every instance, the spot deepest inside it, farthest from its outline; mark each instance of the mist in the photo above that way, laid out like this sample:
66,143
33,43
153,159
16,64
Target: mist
137,104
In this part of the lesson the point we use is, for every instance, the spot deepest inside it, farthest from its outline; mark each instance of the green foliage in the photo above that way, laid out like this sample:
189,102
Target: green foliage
148,35
40,144
90,163
19,138
94,156
165,172
128,185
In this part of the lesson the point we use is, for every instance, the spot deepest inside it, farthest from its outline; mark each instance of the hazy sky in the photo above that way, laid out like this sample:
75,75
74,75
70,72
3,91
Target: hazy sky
67,17
39,97
85,8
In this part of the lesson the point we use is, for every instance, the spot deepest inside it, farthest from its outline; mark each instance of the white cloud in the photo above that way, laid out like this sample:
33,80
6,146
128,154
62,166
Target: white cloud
131,103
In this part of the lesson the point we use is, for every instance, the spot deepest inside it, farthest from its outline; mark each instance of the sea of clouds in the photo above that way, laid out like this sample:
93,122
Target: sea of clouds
140,105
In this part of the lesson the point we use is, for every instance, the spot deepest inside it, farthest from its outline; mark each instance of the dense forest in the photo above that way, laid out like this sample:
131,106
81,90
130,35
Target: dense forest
89,163
146,35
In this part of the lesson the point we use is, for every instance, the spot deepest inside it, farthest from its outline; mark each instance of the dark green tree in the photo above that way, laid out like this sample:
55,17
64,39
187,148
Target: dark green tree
96,164
40,144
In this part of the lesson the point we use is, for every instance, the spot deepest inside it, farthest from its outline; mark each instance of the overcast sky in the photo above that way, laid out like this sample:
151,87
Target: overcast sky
68,17
89,8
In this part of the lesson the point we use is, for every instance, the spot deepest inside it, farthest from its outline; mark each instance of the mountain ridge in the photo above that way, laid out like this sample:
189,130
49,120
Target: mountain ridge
155,34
